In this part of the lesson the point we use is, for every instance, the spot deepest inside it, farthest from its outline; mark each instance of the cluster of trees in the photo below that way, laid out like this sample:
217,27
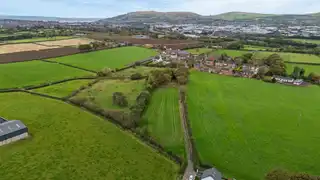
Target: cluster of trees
284,175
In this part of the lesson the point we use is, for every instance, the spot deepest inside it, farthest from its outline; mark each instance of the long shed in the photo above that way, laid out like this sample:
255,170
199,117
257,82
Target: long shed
11,131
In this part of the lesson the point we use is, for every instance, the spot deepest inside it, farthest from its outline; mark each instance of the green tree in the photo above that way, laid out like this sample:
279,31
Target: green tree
297,72
276,65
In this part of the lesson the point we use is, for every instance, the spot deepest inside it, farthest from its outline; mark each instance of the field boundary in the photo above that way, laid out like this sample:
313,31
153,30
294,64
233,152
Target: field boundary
31,87
64,64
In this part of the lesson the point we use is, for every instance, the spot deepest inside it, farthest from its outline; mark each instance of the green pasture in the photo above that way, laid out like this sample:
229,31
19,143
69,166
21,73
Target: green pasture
292,57
40,39
111,58
62,89
247,127
163,122
199,50
143,70
101,92
67,142
312,41
308,68
35,73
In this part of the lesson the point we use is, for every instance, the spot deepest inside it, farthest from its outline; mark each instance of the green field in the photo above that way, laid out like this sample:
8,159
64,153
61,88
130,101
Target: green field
143,70
313,41
63,89
39,39
307,68
163,120
112,58
292,57
246,127
257,48
35,72
69,143
199,50
101,93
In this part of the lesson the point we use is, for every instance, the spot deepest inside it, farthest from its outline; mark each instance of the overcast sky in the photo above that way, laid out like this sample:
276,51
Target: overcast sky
109,8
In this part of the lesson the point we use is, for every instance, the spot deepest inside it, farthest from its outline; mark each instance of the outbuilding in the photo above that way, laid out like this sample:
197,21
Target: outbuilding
11,131
211,174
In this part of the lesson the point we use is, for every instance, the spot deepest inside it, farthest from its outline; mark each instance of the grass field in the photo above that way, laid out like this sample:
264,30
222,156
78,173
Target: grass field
39,39
246,127
292,57
101,93
112,58
307,68
143,70
34,73
69,143
163,120
199,50
313,41
63,89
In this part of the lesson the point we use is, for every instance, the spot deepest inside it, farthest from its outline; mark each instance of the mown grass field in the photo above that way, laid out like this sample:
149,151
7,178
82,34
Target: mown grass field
101,93
111,58
313,41
307,68
62,89
246,127
35,72
162,120
39,39
292,57
199,50
69,143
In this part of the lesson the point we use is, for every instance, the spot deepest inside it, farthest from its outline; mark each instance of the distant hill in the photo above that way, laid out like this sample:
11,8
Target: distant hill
153,16
41,18
240,15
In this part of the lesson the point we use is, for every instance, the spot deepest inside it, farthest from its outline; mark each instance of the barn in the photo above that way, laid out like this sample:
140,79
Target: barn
11,131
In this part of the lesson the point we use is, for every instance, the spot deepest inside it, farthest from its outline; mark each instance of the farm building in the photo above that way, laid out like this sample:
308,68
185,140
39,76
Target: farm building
11,131
288,80
211,174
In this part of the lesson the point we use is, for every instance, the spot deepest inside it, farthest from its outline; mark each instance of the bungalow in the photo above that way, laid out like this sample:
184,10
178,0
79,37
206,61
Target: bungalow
288,80
11,131
211,174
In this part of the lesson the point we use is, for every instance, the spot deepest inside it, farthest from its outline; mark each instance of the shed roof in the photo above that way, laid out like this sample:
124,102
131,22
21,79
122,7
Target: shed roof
11,126
2,120
213,173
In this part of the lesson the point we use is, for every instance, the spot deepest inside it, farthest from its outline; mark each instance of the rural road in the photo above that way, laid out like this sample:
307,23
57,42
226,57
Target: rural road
188,146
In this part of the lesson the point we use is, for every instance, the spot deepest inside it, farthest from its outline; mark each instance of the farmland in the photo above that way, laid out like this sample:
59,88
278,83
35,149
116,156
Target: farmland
313,41
111,58
245,134
12,48
292,57
199,50
163,121
308,68
62,89
67,42
101,93
35,73
69,143
39,39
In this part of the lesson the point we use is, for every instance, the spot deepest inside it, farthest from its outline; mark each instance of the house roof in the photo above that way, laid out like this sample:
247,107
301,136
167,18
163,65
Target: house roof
2,120
11,126
213,173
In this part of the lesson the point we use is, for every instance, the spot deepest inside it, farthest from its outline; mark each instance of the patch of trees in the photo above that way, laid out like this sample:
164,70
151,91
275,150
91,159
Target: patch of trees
236,45
284,175
119,99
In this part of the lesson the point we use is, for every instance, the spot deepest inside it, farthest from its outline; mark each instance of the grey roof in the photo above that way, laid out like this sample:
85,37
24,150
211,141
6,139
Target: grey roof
214,173
11,126
2,120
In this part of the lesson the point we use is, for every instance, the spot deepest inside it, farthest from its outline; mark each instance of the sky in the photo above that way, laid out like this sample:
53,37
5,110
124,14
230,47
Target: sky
110,8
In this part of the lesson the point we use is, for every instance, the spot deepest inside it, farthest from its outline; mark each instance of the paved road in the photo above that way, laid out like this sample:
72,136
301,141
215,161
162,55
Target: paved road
188,146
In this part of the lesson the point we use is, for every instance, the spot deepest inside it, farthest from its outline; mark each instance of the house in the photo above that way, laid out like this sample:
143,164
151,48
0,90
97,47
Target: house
211,174
210,61
11,131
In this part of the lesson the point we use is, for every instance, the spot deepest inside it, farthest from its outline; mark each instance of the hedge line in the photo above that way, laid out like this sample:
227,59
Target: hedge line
64,64
30,87
194,153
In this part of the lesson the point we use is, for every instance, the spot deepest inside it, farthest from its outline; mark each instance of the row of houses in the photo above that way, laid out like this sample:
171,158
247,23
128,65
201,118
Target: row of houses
12,131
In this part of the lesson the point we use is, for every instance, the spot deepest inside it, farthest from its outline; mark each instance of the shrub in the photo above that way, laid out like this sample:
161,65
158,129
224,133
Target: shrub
136,76
84,47
118,98
79,100
159,77
105,72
